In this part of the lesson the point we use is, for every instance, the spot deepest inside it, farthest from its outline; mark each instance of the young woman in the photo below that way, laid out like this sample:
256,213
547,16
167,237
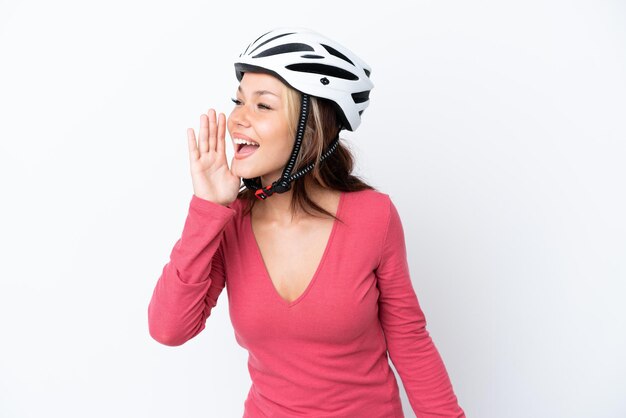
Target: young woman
313,259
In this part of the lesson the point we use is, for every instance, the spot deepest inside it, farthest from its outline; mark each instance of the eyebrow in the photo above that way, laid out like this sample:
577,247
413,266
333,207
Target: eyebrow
260,92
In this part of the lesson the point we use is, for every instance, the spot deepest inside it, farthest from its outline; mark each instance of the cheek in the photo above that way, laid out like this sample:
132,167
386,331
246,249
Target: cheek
280,138
288,137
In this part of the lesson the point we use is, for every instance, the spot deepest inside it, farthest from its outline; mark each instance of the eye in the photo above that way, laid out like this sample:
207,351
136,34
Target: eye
263,106
236,101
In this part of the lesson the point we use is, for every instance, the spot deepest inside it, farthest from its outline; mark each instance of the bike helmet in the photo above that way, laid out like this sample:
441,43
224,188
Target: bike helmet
314,65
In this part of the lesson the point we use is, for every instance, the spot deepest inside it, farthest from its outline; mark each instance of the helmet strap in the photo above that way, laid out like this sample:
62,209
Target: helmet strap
283,184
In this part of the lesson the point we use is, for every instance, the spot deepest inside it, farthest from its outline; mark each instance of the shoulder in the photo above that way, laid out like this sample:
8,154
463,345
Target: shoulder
369,196
369,201
366,216
368,208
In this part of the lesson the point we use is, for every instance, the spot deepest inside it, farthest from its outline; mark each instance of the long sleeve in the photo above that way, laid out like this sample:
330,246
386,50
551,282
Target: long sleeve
192,280
409,344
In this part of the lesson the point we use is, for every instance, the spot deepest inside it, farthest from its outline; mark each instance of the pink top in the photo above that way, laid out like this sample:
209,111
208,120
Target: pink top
325,353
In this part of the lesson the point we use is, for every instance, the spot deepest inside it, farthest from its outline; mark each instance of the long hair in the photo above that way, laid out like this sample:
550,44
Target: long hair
334,173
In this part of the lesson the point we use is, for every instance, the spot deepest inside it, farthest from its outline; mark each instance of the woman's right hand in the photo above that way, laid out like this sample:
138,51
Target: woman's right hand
212,179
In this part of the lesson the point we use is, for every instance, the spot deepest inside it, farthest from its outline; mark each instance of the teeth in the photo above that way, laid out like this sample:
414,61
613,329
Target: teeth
243,141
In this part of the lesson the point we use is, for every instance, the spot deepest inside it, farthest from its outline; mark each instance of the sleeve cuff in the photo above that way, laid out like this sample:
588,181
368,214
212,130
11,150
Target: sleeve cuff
204,205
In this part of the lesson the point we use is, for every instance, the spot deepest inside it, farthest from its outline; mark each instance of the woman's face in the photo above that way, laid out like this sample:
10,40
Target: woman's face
260,115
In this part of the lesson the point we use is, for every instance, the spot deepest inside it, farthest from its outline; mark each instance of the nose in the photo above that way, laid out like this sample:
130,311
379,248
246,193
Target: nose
239,116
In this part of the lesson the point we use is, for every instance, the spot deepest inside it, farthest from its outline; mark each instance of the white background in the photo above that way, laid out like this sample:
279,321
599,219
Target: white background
497,128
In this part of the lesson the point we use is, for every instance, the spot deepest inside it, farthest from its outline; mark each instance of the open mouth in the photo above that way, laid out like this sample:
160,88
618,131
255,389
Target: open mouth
241,144
244,149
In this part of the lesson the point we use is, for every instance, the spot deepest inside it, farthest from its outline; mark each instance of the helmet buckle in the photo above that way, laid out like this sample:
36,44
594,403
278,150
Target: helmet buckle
264,193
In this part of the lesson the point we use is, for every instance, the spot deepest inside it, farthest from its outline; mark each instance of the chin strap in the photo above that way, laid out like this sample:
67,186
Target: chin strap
283,184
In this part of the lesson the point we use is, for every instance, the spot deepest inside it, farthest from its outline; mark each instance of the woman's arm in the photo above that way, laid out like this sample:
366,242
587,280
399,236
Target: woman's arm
193,278
409,344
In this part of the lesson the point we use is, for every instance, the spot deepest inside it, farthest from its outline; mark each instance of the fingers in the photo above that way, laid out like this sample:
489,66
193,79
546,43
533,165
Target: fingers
191,142
203,146
221,132
212,133
212,130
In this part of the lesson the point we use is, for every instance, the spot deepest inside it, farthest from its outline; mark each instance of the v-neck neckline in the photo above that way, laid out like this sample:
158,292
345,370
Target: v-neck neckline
320,265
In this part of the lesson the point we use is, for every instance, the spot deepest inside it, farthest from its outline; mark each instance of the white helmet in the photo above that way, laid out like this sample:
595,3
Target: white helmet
312,64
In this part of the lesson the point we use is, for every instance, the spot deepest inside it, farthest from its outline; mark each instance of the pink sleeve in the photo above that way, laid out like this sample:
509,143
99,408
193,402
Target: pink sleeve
192,280
409,344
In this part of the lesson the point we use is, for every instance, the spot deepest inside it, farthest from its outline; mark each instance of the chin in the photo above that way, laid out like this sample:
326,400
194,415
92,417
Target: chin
249,170
246,172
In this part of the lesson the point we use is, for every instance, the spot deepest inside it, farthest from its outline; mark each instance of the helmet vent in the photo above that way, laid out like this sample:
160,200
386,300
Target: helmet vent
269,40
361,96
333,51
323,69
311,56
255,41
283,49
